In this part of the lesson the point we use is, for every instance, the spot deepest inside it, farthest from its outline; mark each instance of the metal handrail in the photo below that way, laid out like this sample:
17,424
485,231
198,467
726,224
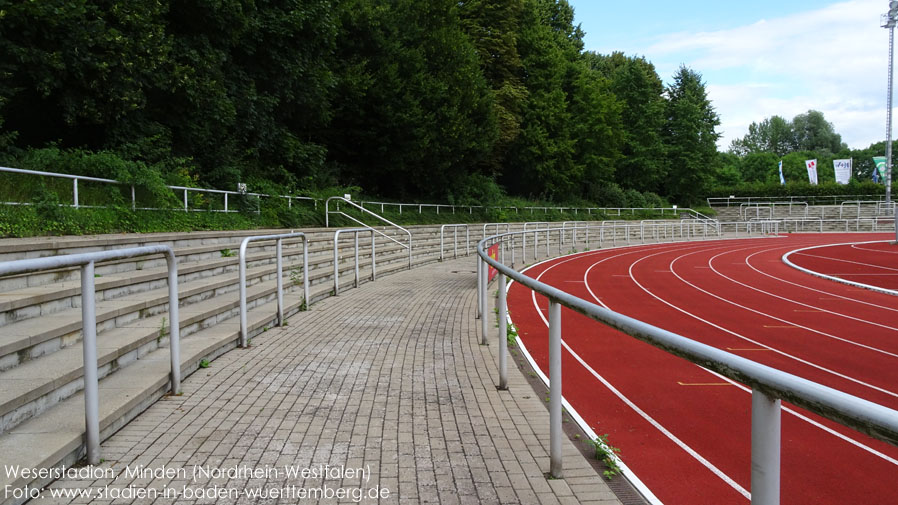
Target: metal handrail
455,228
87,262
717,201
328,212
356,232
244,330
184,189
769,385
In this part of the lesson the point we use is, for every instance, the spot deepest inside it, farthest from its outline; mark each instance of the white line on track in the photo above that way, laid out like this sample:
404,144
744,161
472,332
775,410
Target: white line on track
846,261
743,337
858,444
816,290
648,418
856,246
802,304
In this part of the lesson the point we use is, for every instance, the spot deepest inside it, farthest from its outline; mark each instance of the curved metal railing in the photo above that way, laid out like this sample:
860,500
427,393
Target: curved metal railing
244,329
769,385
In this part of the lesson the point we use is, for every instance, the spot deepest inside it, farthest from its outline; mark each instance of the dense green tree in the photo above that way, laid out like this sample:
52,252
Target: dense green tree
413,114
493,27
760,167
636,84
814,133
570,136
772,135
73,71
690,136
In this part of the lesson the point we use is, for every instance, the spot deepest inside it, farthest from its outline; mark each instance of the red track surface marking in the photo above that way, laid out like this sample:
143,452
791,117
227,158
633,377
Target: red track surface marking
874,264
737,296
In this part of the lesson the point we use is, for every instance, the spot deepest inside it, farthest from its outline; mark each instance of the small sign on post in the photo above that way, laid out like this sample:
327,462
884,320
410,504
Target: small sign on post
493,252
241,188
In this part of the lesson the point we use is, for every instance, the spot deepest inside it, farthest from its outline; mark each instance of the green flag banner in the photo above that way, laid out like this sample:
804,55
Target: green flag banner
880,162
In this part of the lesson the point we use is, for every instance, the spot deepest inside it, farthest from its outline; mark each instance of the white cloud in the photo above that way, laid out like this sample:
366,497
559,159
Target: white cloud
832,59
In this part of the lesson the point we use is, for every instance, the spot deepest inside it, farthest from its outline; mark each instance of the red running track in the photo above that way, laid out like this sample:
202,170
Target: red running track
684,431
873,263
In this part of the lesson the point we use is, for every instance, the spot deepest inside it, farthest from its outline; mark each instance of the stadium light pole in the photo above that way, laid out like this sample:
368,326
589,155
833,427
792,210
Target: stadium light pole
889,20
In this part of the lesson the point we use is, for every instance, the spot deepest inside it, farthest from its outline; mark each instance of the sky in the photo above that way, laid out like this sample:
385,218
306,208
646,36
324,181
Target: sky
760,58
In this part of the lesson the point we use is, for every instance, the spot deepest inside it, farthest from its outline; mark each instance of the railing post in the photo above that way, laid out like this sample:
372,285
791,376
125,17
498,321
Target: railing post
133,199
555,461
765,449
336,264
185,200
484,281
75,192
479,270
174,332
89,351
503,334
373,257
280,283
241,269
226,203
356,237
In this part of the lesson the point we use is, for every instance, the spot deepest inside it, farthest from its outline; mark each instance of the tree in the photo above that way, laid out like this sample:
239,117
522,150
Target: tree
638,88
570,132
493,27
806,132
772,135
690,137
413,114
814,133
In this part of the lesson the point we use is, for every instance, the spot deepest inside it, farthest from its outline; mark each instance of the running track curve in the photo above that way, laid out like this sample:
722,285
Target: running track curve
685,431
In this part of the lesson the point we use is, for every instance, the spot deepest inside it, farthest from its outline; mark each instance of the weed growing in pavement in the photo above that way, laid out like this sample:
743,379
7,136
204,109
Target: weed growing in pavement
204,363
162,331
511,334
226,253
605,453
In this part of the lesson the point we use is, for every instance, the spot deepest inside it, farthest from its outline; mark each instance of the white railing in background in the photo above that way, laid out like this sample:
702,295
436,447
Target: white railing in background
618,211
724,201
182,189
87,261
244,330
769,386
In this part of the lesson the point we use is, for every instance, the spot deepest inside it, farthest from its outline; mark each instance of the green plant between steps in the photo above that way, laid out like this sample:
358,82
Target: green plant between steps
606,453
162,331
204,363
227,253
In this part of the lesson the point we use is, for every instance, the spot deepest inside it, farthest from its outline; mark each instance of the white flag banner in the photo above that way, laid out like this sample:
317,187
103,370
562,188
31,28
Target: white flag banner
843,170
812,171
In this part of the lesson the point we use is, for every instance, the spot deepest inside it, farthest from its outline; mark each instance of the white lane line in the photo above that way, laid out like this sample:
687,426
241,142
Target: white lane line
743,337
839,260
814,423
786,260
648,418
801,304
812,289
859,444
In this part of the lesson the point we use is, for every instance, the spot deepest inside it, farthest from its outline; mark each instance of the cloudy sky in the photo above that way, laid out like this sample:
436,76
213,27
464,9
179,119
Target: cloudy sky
761,57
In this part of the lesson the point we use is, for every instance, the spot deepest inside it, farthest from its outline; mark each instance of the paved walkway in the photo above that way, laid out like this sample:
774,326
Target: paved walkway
383,389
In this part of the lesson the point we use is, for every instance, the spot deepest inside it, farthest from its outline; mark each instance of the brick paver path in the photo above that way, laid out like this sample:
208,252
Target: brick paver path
384,389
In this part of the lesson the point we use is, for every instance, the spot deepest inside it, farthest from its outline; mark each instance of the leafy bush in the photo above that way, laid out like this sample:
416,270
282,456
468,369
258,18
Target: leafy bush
634,198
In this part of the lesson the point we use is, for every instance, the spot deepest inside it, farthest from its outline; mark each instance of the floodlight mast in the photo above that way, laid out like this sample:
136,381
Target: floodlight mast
889,21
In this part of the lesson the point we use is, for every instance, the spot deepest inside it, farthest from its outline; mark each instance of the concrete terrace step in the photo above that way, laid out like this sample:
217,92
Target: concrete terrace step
23,396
